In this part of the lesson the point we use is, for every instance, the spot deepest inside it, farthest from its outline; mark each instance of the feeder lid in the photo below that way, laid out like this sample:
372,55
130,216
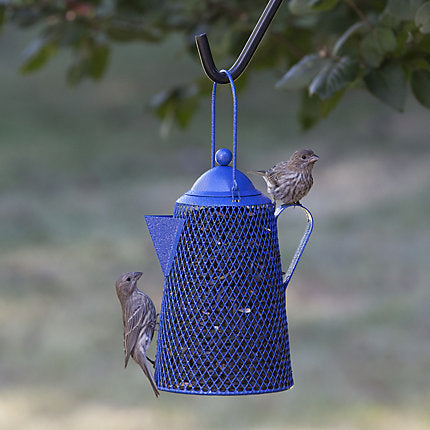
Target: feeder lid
216,187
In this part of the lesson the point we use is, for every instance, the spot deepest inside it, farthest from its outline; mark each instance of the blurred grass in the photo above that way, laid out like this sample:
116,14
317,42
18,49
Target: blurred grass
80,167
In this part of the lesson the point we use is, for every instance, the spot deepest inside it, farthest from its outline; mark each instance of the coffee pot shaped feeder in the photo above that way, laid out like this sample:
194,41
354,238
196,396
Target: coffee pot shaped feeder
223,325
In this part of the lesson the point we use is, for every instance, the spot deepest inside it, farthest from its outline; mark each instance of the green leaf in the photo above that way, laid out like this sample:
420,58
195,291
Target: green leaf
300,7
370,52
177,103
403,9
309,112
423,44
302,73
2,13
98,61
25,15
304,7
403,36
322,5
346,35
77,71
417,63
420,84
70,34
37,54
326,106
90,61
335,76
124,31
376,44
388,83
422,18
313,109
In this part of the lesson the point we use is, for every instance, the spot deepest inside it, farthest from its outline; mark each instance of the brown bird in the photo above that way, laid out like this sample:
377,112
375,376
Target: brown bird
139,318
289,181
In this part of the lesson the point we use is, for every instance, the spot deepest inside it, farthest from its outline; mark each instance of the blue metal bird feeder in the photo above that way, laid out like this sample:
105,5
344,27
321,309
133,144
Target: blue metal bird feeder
223,324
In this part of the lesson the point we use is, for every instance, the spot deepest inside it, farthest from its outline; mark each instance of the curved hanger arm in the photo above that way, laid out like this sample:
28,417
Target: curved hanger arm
303,241
247,51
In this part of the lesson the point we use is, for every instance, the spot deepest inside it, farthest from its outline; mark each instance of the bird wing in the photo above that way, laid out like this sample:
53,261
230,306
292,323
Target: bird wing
274,174
140,316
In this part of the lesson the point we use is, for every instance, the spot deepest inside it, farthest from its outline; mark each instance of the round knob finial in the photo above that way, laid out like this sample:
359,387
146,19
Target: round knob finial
223,157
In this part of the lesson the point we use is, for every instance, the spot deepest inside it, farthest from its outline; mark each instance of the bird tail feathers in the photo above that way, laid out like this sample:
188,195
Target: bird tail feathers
257,172
144,364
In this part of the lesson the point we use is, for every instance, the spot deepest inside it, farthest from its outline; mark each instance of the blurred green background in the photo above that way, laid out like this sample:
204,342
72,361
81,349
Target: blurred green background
79,168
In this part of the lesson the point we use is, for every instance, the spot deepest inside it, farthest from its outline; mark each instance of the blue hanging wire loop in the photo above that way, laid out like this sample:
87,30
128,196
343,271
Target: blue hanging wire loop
213,124
235,188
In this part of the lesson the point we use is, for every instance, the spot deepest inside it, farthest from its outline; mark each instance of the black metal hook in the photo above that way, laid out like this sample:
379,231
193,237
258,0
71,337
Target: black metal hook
247,51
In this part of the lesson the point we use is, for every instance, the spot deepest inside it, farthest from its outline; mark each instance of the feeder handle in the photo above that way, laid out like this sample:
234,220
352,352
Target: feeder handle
303,241
235,188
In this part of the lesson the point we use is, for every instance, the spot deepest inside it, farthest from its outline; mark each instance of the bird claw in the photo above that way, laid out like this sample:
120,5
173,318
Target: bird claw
151,361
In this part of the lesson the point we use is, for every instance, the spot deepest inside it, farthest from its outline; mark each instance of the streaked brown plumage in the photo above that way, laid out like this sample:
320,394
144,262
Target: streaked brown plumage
139,318
289,181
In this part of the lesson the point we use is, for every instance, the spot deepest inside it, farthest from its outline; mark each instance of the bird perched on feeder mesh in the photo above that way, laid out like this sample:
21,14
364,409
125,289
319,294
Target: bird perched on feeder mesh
139,318
289,181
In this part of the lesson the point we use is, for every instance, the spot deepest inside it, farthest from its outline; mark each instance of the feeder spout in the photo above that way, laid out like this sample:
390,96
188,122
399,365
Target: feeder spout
165,233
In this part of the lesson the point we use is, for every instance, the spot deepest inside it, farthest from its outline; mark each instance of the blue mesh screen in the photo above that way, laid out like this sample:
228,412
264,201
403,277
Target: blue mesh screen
223,324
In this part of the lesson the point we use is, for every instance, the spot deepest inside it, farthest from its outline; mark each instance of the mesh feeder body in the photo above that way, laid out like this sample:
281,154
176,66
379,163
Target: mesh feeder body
223,324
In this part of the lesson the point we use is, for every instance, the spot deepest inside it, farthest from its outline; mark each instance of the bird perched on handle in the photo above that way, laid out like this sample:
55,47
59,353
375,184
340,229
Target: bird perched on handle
139,318
289,181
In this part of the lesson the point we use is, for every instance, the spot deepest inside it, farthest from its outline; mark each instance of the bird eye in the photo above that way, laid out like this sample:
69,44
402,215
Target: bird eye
303,157
128,279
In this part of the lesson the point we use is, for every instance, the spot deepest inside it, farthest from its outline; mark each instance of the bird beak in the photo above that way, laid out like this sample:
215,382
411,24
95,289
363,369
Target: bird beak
313,159
137,275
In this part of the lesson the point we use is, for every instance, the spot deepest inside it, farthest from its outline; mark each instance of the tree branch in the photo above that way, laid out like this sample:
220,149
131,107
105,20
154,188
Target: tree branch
359,12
